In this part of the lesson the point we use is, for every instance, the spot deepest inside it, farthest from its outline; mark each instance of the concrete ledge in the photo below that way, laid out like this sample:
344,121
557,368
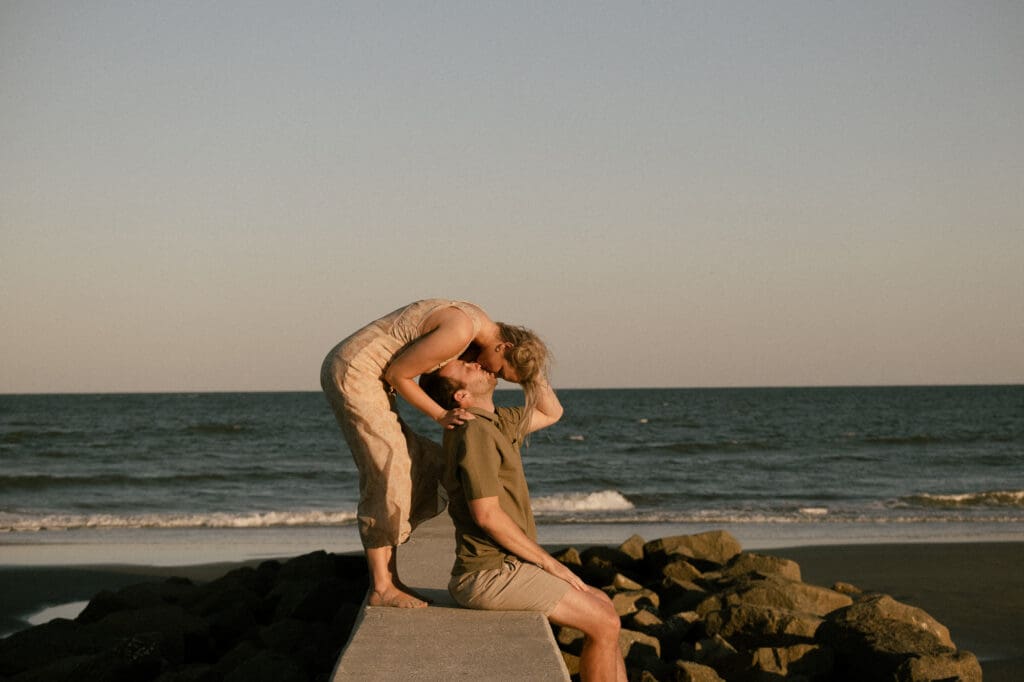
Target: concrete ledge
444,641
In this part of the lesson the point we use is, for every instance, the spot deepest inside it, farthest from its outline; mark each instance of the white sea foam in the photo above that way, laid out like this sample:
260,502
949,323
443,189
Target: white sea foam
991,498
813,511
18,523
604,500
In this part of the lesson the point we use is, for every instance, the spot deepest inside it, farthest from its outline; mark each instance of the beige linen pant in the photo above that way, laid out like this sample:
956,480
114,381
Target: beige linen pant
399,470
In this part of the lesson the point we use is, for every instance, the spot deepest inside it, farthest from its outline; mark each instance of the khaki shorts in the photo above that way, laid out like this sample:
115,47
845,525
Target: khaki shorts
515,586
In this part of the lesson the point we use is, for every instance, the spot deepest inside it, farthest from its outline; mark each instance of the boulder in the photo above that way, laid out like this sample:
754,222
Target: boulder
638,646
718,653
680,595
645,621
569,556
688,671
681,569
137,658
962,666
632,601
847,588
633,547
761,564
621,583
776,592
876,635
752,625
570,639
274,622
267,666
712,549
572,663
805,660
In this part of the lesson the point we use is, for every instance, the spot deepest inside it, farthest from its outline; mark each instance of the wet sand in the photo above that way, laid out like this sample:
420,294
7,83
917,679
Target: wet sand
974,589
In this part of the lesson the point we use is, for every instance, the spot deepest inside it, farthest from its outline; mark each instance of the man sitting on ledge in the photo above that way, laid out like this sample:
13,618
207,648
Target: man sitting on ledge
498,563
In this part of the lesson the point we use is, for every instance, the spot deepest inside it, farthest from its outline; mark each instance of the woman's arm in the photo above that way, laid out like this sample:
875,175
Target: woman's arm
548,409
489,515
452,332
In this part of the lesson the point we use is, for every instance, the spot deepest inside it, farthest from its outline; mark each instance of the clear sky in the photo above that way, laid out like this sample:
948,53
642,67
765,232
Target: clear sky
207,196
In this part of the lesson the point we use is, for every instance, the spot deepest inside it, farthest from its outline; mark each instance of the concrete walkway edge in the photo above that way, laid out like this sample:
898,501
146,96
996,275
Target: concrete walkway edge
444,641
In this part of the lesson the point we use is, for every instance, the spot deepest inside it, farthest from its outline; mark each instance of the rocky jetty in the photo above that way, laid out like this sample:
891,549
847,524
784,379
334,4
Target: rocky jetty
696,608
279,622
693,608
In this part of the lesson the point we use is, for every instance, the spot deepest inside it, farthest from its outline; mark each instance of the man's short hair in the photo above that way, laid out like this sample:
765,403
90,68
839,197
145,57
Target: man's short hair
441,389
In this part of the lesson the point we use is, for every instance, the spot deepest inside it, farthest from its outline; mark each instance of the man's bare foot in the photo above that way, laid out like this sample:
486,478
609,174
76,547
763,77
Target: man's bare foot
396,598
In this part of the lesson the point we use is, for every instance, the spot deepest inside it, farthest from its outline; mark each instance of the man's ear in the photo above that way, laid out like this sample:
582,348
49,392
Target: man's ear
459,396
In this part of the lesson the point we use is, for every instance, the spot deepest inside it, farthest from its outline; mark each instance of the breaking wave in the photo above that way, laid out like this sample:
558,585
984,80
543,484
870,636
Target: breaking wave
993,498
604,500
20,523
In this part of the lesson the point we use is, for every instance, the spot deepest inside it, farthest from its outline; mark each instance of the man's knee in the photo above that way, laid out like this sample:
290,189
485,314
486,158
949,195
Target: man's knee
607,620
591,612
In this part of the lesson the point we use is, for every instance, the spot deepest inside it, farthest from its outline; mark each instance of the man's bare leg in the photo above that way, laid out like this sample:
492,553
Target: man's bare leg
592,613
385,587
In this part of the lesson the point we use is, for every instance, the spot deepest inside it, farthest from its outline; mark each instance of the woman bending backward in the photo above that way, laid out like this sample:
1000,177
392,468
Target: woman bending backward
399,470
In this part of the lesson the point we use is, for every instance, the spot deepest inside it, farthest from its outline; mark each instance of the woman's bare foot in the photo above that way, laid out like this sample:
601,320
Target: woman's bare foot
408,590
396,598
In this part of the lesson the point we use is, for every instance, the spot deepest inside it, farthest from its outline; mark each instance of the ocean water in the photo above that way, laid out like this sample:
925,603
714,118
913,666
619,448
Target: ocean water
250,473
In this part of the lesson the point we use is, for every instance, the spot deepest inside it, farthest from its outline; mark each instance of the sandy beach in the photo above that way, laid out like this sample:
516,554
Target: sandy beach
975,589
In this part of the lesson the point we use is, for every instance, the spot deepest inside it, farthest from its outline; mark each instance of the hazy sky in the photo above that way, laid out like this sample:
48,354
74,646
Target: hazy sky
208,196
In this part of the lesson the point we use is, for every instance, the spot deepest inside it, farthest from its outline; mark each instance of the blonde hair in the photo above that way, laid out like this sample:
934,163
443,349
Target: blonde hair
531,360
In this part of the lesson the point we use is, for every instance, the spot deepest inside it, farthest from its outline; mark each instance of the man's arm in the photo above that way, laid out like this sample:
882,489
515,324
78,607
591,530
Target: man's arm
548,409
489,515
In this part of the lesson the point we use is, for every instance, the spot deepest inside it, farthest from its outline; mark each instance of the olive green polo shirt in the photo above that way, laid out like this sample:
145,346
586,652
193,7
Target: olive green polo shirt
483,460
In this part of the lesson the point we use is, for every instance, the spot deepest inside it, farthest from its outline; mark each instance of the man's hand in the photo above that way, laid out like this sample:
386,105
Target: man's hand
559,570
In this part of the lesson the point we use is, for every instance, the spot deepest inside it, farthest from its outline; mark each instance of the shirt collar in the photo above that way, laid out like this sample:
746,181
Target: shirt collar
489,416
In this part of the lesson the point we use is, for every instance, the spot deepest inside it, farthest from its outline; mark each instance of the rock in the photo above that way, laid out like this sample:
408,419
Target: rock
309,643
874,636
182,637
847,588
638,646
572,663
631,601
776,592
675,629
633,547
291,618
962,666
608,556
621,583
192,673
688,671
718,653
714,548
644,620
267,666
751,625
44,644
570,639
137,658
748,562
807,660
680,595
569,556
681,570
629,640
